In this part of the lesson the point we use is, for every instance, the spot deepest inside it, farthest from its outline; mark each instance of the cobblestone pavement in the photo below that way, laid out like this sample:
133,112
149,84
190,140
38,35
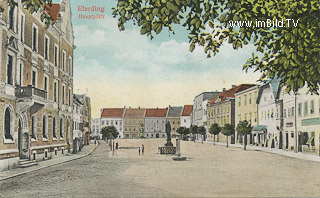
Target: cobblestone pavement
210,171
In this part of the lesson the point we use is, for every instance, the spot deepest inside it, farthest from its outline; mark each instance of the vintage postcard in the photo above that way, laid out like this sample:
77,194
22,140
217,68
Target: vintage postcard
159,98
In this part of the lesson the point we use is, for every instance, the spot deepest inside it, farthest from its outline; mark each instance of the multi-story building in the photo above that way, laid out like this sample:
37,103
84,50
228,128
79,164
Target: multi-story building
174,117
221,110
155,122
77,124
95,128
134,123
246,108
36,84
85,100
113,117
199,110
185,120
266,133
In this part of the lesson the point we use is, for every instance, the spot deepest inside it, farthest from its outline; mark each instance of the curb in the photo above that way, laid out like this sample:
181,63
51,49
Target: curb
47,166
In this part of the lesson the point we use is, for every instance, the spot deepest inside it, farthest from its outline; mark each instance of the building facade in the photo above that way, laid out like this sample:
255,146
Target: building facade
77,124
36,84
134,123
155,122
174,118
246,108
85,100
113,117
185,120
95,128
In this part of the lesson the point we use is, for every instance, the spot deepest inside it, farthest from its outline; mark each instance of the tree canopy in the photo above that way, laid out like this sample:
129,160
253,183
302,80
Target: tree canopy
215,129
244,127
109,132
227,129
285,32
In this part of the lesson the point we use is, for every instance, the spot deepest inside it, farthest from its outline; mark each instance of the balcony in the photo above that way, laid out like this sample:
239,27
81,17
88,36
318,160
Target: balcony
30,98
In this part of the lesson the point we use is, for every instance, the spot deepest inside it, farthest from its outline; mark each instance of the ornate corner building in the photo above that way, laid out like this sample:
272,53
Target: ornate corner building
36,84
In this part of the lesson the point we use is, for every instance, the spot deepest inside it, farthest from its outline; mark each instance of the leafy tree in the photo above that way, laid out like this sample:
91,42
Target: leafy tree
109,132
244,128
194,130
291,52
180,130
202,131
227,130
186,131
215,130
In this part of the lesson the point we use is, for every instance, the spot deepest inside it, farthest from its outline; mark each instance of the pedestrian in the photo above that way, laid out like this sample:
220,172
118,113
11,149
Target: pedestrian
117,146
142,149
139,151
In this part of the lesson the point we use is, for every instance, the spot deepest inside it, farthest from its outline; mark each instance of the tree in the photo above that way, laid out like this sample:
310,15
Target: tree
186,131
244,128
194,130
202,131
285,32
34,6
109,132
180,130
227,130
215,130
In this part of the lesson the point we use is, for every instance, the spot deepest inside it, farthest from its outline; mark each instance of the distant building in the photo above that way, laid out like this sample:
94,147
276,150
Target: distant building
95,128
174,118
85,100
77,124
113,117
185,120
134,123
154,124
199,110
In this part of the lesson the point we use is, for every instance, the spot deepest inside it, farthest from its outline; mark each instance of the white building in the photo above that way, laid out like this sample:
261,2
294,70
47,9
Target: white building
113,117
185,120
155,123
95,126
77,123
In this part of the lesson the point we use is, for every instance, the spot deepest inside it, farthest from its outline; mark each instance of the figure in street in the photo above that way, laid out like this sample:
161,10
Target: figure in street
117,146
139,150
142,149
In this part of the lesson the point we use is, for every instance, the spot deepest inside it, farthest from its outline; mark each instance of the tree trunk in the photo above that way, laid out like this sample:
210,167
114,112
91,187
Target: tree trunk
227,141
245,142
214,140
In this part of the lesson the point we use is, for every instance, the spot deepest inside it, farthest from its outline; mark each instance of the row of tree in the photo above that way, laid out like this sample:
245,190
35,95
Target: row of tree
194,129
109,132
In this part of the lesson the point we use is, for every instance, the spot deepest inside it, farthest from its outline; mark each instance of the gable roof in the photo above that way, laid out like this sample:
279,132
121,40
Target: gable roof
230,92
53,10
187,109
174,111
112,112
275,86
156,112
133,113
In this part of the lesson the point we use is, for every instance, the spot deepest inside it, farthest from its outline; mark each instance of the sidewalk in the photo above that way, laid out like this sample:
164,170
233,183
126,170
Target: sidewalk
87,150
299,155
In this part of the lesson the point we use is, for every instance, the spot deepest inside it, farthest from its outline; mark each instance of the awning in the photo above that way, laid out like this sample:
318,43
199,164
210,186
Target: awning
259,129
310,139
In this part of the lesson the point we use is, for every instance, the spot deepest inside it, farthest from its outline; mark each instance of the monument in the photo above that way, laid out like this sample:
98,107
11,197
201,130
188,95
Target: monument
168,147
168,132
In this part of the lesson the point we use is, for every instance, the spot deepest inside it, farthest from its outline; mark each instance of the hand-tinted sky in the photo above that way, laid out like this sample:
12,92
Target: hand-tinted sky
126,68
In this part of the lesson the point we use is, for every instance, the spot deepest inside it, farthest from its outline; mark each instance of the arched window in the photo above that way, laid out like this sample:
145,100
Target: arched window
68,130
61,127
44,127
7,124
33,127
54,134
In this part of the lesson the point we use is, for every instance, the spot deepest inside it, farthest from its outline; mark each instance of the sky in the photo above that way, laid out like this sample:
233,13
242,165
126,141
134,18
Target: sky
125,68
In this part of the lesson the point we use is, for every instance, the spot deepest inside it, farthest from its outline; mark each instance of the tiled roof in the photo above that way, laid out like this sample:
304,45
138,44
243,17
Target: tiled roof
174,111
112,112
187,109
53,10
131,113
156,112
230,92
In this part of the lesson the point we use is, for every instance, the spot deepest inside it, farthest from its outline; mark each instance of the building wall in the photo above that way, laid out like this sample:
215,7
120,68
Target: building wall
175,124
155,126
133,127
95,127
185,121
197,111
117,122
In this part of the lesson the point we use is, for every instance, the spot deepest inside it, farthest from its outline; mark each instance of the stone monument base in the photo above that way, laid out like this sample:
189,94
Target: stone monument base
167,150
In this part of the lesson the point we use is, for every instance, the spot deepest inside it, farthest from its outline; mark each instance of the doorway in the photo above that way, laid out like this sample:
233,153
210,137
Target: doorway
23,141
280,140
287,140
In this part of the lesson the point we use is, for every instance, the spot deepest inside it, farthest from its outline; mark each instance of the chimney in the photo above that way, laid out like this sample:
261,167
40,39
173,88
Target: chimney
223,89
234,86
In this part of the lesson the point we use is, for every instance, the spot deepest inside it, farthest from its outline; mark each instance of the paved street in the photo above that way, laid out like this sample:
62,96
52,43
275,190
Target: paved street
209,171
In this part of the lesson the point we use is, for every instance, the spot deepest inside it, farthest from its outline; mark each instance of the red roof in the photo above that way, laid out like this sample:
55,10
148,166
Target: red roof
53,10
230,92
187,109
156,112
134,112
112,112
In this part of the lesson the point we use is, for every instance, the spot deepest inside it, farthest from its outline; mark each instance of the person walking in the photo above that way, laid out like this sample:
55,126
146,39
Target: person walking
142,149
139,151
117,146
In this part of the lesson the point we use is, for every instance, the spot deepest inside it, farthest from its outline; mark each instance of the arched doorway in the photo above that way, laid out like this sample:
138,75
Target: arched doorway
157,135
23,138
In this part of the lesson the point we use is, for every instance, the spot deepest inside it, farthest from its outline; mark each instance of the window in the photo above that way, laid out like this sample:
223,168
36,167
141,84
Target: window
245,100
62,94
45,84
7,124
22,22
11,17
56,55
46,47
63,60
70,66
33,127
292,111
239,102
69,97
312,107
61,128
54,125
55,92
300,109
20,74
44,127
34,38
9,70
292,134
34,78
250,98
306,108
285,113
